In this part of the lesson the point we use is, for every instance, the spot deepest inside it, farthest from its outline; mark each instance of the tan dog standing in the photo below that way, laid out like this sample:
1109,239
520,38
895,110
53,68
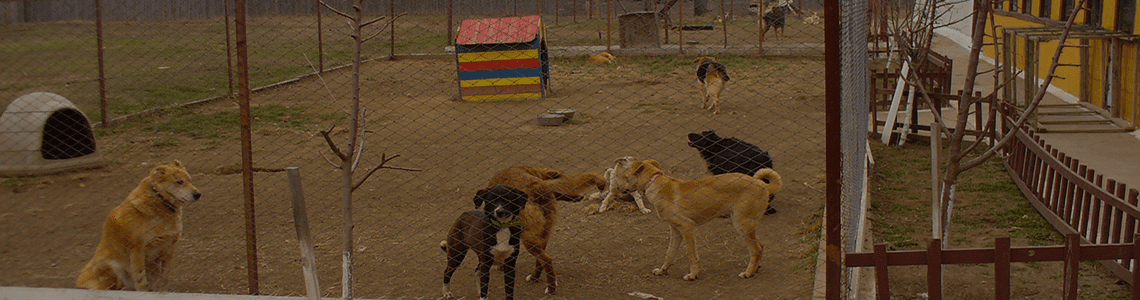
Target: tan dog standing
685,204
140,234
543,186
712,76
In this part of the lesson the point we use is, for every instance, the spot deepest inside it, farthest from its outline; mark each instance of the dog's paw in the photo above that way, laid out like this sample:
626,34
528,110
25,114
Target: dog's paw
746,275
645,210
690,277
549,290
660,271
531,278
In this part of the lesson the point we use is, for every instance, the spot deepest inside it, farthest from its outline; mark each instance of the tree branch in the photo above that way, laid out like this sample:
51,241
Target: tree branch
334,10
332,145
383,161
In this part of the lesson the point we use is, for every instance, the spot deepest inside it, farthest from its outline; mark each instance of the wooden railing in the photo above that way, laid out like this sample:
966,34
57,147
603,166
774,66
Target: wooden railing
1097,215
1001,256
1074,198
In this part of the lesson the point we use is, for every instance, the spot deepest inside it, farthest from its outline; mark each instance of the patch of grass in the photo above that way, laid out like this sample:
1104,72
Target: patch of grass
221,124
581,118
164,143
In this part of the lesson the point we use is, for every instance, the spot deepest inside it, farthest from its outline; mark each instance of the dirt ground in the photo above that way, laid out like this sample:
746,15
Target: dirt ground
49,225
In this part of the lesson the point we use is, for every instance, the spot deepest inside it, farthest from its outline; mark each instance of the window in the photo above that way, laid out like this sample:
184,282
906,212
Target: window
1046,9
1092,16
1125,15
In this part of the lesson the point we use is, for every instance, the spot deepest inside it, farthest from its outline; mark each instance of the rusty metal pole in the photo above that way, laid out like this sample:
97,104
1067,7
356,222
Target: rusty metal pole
609,22
246,145
99,52
450,22
229,49
680,27
833,78
392,28
724,23
320,40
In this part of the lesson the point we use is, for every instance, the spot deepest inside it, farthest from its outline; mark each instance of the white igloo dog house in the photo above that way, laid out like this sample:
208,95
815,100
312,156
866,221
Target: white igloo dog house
43,133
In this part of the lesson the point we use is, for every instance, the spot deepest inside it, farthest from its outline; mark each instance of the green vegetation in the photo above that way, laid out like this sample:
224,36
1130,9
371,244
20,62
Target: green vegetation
225,123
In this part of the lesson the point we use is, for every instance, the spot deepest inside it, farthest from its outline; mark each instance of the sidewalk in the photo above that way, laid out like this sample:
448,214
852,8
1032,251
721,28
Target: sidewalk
1114,155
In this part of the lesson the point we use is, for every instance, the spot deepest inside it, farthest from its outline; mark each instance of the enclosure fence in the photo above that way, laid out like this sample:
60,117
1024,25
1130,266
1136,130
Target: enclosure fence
155,82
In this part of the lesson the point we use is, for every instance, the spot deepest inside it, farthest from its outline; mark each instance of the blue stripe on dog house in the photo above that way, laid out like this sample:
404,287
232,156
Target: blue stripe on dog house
507,73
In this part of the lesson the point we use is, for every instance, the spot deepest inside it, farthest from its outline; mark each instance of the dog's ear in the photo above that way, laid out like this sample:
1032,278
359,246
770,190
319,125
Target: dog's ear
655,164
483,193
176,163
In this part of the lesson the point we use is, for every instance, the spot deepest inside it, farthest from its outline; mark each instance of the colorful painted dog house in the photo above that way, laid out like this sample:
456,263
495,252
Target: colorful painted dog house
503,58
44,133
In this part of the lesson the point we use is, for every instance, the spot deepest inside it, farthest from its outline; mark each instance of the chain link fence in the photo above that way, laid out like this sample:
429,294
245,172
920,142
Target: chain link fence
162,90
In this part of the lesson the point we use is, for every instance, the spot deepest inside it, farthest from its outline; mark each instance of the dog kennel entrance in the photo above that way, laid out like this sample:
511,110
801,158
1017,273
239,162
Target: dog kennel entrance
43,133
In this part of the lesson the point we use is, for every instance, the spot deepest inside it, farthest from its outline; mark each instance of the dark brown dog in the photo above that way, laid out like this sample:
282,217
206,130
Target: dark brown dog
492,233
543,186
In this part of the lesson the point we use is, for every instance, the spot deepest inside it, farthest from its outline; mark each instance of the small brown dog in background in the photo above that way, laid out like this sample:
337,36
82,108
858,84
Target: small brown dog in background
543,186
712,76
602,58
686,204
140,234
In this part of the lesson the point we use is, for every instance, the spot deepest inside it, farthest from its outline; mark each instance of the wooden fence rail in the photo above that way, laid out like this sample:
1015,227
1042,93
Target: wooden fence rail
1001,256
1073,197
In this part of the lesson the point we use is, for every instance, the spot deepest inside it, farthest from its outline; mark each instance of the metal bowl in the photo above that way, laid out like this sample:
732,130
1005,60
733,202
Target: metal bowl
565,112
550,120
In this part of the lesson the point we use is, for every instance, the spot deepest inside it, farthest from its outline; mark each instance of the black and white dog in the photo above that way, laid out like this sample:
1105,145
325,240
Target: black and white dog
492,233
731,155
776,16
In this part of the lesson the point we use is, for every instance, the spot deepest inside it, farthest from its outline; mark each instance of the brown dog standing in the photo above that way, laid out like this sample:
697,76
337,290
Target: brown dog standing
139,235
712,76
543,187
686,204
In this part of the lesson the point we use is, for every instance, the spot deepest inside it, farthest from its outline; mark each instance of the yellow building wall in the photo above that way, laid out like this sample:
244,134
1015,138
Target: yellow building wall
1128,106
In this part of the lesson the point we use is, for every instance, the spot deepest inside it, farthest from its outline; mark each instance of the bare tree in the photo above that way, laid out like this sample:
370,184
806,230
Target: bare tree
349,160
913,32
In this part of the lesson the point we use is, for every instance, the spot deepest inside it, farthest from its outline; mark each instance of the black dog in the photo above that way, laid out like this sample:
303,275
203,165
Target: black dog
776,17
492,233
731,155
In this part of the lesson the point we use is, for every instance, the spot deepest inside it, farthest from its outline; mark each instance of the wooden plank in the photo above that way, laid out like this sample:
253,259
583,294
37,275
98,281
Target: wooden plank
889,128
497,90
500,81
498,55
882,280
503,97
499,64
301,224
1072,265
934,270
1001,268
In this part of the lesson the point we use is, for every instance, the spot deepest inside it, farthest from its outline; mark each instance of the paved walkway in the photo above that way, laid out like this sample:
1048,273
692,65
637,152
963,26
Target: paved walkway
1114,155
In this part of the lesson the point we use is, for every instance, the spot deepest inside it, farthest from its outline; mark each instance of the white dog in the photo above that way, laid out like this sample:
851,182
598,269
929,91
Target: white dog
617,187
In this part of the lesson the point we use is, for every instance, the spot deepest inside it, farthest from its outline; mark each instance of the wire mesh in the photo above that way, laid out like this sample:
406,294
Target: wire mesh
161,56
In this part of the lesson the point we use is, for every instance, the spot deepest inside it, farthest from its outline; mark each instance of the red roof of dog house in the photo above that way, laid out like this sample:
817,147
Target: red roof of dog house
498,30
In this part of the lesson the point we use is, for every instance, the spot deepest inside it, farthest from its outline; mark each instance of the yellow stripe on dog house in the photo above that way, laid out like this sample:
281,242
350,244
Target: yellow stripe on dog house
498,55
500,81
502,96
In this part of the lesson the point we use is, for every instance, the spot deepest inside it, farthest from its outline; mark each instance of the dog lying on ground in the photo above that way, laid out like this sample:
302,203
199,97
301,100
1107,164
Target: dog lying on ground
616,188
776,15
140,233
602,58
544,186
685,204
731,155
712,76
492,233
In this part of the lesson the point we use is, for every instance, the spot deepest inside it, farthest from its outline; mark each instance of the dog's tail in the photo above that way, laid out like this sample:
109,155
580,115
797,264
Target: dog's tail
775,183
